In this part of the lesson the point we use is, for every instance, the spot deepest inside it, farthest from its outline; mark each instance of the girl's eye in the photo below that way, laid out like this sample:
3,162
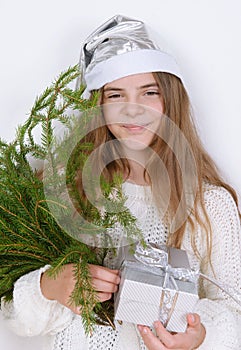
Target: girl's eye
113,96
152,93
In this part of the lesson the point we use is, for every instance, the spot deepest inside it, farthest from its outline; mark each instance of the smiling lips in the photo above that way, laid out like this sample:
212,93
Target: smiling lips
135,127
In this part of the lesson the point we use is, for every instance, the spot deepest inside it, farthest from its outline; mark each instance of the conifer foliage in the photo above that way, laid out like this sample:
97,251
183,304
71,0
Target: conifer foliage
30,235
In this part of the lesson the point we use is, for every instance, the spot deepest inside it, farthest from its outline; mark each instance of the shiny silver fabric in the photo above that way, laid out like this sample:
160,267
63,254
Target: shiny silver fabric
116,36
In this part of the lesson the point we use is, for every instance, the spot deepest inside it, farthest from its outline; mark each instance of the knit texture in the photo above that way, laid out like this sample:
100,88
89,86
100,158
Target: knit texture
31,314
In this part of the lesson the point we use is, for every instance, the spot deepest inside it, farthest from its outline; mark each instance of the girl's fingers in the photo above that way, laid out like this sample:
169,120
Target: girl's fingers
171,340
196,328
104,297
104,273
163,335
192,338
193,320
151,341
103,286
105,281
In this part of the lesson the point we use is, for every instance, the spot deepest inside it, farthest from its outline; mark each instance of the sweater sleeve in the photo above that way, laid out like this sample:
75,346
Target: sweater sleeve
30,313
220,315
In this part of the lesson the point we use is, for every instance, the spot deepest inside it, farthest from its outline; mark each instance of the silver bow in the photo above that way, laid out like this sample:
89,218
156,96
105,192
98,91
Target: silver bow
157,256
154,255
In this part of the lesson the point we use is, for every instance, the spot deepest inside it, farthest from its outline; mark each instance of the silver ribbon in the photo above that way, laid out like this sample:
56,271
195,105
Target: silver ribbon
154,255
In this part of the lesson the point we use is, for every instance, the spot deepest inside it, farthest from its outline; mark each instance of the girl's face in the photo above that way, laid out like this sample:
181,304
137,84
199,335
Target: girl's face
132,108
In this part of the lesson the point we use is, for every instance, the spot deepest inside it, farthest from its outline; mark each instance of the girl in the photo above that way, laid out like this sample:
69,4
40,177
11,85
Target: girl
172,187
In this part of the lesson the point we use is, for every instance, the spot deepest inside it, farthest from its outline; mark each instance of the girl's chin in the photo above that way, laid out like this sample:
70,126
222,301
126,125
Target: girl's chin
134,145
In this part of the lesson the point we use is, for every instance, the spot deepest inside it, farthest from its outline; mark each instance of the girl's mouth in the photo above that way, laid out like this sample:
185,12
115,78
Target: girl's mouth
135,127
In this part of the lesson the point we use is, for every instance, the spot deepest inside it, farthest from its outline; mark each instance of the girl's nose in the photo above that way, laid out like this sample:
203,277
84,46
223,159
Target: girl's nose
133,109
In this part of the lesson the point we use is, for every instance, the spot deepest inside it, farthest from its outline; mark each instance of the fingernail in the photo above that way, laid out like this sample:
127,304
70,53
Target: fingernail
142,329
192,317
156,324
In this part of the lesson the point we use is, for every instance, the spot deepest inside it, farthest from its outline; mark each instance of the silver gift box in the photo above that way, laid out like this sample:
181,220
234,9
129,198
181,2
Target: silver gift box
150,293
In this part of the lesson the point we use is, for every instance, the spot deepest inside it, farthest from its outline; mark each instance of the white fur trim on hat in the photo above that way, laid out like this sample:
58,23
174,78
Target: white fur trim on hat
129,63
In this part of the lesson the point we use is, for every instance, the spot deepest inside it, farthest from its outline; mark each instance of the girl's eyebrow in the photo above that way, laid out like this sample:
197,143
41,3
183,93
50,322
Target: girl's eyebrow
154,84
112,88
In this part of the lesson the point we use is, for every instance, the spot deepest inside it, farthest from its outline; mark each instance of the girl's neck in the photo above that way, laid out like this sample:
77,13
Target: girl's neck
137,174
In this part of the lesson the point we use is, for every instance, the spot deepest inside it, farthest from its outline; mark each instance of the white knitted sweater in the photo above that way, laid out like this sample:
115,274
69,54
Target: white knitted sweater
31,314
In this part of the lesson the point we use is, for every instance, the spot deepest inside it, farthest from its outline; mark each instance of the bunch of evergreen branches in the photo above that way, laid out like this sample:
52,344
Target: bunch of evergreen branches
30,235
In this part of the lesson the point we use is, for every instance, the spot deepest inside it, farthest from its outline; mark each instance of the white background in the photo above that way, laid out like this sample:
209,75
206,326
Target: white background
39,39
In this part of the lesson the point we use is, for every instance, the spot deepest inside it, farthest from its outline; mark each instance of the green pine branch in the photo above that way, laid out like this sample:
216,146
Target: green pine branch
30,234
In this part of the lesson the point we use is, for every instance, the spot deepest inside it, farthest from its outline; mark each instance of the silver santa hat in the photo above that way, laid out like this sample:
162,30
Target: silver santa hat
120,47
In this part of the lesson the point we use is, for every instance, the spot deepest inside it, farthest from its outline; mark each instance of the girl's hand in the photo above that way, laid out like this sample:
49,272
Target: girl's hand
164,340
104,280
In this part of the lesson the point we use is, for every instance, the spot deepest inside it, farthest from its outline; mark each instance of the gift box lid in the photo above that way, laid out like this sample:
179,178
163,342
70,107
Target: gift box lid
133,275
